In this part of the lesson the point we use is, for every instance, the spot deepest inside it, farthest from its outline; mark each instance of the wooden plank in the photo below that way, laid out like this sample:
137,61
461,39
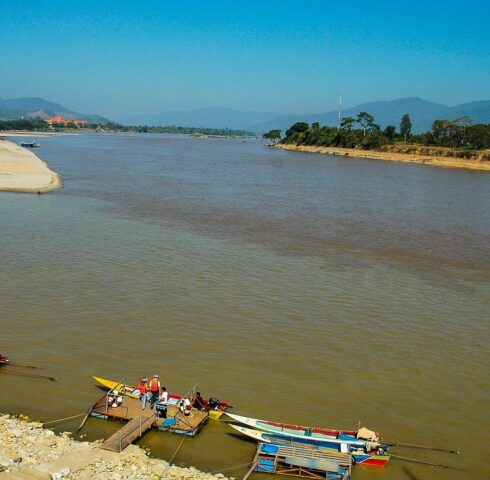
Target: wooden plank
130,432
310,453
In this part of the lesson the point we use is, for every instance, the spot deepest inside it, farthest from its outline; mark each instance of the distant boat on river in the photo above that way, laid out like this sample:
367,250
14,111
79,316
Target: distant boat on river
30,144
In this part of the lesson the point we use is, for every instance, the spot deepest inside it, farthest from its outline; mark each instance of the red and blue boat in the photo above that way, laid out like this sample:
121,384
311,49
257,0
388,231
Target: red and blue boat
362,453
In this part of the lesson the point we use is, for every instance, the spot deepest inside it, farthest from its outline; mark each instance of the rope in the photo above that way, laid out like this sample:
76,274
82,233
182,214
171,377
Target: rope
62,419
236,467
173,456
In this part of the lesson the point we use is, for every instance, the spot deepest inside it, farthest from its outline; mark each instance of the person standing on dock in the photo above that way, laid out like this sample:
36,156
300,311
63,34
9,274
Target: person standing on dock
154,390
144,389
162,404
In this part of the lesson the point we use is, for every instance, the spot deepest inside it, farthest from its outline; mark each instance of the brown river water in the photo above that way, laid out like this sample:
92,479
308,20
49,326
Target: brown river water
300,287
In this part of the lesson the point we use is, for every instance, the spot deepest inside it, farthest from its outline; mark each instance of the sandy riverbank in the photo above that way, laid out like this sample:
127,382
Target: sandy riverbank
22,171
28,452
431,160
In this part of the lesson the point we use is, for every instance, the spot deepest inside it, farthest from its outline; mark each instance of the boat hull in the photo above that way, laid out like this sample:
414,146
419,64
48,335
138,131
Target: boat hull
359,455
335,436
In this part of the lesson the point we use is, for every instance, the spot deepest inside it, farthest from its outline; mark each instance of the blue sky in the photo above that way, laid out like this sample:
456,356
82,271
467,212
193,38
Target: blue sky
129,57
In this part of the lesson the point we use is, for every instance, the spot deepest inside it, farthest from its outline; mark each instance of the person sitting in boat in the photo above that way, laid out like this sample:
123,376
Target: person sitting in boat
144,388
199,402
185,406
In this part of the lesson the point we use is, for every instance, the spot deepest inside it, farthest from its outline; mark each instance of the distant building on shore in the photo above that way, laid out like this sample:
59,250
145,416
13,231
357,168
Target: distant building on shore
64,121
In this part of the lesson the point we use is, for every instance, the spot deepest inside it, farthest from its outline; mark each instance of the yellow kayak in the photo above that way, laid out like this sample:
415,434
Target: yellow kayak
128,390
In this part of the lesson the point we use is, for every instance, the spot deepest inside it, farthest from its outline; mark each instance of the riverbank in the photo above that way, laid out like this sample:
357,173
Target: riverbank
28,452
400,153
23,171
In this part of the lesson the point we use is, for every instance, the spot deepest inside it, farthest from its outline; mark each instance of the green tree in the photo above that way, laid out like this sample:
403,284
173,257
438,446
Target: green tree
365,120
347,123
406,126
273,135
464,122
390,132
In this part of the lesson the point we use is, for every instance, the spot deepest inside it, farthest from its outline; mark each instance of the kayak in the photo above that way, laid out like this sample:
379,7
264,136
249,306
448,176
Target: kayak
362,453
173,399
300,431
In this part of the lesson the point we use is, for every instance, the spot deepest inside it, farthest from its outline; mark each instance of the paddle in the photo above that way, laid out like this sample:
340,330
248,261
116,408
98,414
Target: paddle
10,364
32,375
414,460
424,447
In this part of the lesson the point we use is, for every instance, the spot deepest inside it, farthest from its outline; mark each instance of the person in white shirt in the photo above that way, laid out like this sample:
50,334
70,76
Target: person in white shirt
162,403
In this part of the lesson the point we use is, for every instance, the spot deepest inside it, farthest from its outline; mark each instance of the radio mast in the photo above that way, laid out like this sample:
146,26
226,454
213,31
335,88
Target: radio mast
340,109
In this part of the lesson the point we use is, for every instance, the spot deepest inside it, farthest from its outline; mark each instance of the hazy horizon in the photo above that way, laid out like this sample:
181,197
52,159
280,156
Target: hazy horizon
121,59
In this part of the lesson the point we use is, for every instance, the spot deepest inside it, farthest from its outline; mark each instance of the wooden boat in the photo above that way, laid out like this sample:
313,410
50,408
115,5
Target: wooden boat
300,431
362,453
173,399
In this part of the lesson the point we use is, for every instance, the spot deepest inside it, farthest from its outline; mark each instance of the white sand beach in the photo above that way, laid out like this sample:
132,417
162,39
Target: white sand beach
23,171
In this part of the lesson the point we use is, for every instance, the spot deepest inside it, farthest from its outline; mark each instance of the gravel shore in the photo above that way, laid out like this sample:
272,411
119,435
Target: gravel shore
28,452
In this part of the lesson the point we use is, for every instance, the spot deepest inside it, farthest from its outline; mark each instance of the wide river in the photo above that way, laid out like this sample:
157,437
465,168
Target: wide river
300,287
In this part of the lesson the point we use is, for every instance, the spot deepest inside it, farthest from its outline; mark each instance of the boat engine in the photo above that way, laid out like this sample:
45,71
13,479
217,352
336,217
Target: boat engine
213,403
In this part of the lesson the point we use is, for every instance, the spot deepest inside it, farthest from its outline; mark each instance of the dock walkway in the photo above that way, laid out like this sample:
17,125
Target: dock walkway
133,430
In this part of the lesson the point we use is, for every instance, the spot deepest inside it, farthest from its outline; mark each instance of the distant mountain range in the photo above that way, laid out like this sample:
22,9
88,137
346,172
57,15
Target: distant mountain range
31,107
422,112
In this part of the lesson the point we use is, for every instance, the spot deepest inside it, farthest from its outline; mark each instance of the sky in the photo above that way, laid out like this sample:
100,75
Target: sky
122,58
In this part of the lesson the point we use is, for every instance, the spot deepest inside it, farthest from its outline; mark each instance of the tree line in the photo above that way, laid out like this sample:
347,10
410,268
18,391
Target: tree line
38,124
363,132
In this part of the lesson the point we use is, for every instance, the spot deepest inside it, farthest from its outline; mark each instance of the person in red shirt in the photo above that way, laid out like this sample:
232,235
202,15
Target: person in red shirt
144,389
154,390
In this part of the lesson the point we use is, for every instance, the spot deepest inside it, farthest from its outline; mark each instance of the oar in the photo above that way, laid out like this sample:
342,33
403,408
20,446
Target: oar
32,375
424,447
10,364
414,460
89,411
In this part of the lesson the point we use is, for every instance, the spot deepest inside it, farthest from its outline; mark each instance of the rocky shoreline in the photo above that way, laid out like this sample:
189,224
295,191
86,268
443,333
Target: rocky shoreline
28,452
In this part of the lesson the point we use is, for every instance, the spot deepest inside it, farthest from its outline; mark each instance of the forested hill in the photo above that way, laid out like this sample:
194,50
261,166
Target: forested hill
422,113
35,107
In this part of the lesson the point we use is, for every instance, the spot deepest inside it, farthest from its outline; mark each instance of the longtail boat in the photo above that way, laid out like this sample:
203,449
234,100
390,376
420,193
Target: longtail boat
173,398
363,453
310,432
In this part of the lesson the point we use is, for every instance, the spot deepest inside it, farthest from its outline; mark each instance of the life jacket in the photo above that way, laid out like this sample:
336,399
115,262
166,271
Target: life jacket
143,387
154,386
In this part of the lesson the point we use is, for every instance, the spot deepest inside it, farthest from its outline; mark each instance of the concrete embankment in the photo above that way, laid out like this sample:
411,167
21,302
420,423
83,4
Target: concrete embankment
28,452
435,157
22,171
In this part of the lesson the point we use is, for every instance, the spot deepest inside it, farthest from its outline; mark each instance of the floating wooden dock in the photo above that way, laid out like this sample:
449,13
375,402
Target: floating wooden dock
302,462
140,421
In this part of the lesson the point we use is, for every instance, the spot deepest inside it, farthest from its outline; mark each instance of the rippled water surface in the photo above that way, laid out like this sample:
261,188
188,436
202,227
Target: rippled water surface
302,288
